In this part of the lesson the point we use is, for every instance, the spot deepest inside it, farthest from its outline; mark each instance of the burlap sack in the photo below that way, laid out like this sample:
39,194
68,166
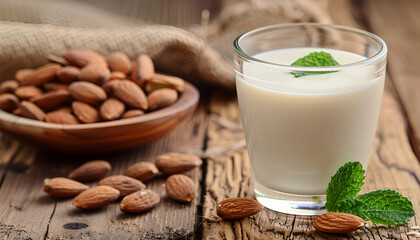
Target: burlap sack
29,29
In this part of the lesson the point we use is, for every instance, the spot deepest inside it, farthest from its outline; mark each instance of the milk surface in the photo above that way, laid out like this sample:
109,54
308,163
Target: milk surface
299,131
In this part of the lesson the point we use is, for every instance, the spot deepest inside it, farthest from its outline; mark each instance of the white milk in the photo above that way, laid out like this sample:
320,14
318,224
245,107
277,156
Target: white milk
299,131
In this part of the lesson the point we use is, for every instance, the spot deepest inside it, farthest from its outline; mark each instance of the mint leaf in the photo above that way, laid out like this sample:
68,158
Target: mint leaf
314,59
386,207
345,183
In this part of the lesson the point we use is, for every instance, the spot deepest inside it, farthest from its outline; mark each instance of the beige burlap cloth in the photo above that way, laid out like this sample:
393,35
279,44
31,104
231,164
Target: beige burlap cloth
30,29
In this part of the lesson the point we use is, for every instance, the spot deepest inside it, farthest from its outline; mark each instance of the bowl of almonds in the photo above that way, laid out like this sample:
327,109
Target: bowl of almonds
84,102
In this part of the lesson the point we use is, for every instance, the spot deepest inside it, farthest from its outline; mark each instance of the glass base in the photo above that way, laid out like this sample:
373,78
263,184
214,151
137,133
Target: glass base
290,203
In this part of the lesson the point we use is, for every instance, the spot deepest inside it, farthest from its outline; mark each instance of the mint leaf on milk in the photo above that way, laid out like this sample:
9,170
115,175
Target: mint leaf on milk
314,59
386,207
345,183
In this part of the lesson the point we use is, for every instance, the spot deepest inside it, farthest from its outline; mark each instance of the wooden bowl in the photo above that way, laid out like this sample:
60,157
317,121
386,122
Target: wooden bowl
103,136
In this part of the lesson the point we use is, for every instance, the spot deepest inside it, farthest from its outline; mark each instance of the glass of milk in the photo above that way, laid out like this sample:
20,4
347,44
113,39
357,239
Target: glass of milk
299,131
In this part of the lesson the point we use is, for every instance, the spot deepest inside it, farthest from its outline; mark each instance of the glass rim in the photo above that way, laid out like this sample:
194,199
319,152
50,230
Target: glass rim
370,60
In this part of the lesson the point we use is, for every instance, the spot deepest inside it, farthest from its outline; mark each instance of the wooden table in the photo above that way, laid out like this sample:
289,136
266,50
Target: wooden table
216,134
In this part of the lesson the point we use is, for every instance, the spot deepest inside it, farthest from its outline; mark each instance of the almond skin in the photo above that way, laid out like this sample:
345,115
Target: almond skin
91,171
117,75
32,111
41,75
21,74
143,70
111,109
61,117
8,86
174,163
52,99
96,197
336,222
119,61
109,85
51,86
139,201
131,94
81,58
85,112
8,102
87,92
126,185
238,208
95,73
165,81
132,113
181,188
27,92
162,98
142,171
68,74
63,187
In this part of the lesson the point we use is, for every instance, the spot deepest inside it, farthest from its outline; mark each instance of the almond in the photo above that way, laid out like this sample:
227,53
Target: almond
238,208
52,99
109,85
336,222
8,86
143,70
91,171
61,117
80,58
51,86
8,102
130,94
181,188
17,112
173,163
162,98
126,185
27,92
139,201
63,187
132,113
31,110
41,75
64,109
142,171
21,74
96,197
68,74
95,73
87,92
111,109
56,59
85,112
165,81
117,75
118,61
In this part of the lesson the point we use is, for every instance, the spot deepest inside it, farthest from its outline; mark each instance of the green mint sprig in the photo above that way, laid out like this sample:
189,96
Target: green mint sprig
314,59
381,206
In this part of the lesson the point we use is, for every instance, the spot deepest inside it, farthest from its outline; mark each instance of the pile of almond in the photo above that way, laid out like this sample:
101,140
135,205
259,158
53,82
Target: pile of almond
129,187
86,87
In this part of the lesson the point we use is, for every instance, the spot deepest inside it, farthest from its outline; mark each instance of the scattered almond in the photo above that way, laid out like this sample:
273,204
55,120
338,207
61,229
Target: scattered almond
96,197
131,94
142,171
126,185
52,99
21,74
63,187
165,81
117,75
173,163
27,92
80,58
68,74
41,75
132,113
61,117
8,102
95,73
109,85
111,109
32,111
181,188
139,201
336,222
91,171
238,208
87,92
56,59
51,86
143,70
8,86
118,61
161,98
85,112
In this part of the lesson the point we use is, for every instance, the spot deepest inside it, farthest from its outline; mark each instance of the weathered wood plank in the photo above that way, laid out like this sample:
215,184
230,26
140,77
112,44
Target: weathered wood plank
27,212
